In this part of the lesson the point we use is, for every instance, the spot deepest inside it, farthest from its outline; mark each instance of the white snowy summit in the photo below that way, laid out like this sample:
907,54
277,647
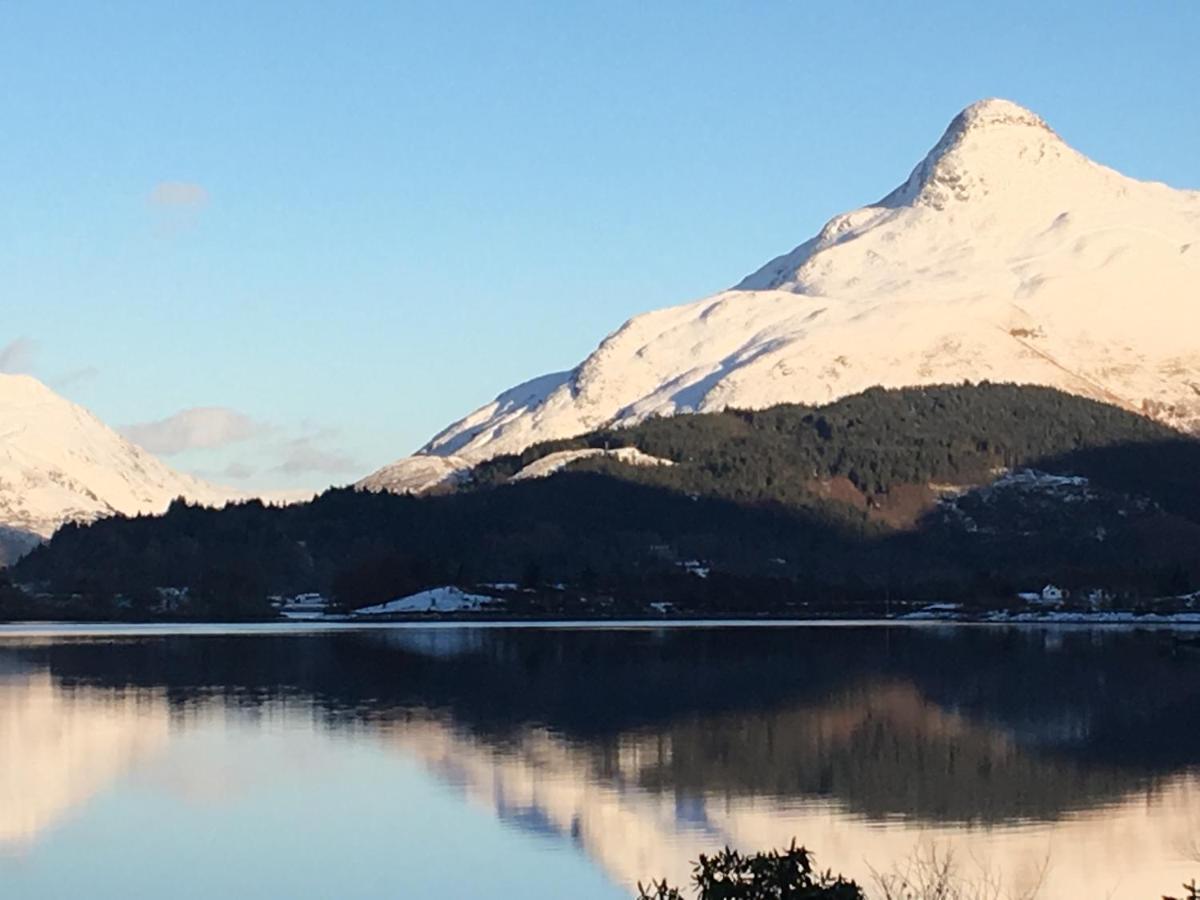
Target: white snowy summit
1005,256
60,463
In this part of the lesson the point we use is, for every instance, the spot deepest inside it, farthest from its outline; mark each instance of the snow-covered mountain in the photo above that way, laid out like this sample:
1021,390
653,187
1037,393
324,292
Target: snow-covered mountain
1006,255
60,463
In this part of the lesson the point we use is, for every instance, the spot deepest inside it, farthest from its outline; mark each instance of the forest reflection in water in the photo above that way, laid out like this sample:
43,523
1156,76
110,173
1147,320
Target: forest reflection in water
644,746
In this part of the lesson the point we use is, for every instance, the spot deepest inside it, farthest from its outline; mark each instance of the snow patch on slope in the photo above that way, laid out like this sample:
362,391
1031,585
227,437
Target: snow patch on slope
555,462
416,474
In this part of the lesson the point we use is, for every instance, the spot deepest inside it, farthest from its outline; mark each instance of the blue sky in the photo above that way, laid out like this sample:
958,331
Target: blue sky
345,225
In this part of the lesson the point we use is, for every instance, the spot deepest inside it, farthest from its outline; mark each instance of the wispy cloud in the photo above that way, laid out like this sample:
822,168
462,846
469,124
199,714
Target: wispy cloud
304,456
17,356
75,376
238,471
179,195
275,453
199,428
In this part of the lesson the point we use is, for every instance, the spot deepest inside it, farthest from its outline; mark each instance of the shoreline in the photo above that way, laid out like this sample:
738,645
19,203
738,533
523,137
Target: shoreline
33,628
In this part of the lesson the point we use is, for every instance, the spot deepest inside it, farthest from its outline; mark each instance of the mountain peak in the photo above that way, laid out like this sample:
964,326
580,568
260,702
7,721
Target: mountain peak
16,387
59,463
993,143
994,112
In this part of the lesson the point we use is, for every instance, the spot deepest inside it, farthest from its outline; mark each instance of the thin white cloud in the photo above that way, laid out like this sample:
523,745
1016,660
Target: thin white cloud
17,356
199,428
238,471
179,195
76,376
304,457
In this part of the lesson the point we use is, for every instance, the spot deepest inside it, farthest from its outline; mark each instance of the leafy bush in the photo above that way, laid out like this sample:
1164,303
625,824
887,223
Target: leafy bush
774,875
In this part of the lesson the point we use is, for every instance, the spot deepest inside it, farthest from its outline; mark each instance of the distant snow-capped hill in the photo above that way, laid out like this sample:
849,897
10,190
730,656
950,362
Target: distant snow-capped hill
1006,256
60,463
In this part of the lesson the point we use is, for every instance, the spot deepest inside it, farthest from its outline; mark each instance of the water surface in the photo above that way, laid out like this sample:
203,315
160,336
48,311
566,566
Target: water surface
554,762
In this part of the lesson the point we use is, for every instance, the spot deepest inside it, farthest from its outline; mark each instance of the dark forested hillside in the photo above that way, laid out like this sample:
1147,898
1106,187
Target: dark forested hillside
878,439
842,506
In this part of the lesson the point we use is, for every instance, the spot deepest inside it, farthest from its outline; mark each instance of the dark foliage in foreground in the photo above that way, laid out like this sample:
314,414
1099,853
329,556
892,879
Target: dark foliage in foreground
774,875
790,875
796,510
1193,892
11,599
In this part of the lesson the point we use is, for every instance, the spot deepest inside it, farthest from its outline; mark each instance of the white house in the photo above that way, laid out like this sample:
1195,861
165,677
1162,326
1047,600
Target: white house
1052,594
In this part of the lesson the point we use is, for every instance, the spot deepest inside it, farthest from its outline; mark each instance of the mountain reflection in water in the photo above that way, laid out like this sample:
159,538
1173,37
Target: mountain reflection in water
645,746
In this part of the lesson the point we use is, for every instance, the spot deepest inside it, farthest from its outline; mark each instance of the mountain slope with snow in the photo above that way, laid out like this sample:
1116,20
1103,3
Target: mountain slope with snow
1005,256
415,474
60,463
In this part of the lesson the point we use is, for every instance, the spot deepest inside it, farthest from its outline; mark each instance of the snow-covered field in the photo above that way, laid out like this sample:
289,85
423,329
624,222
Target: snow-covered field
1005,256
434,600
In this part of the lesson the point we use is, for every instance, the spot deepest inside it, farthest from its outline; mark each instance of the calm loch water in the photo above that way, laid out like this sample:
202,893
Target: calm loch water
570,762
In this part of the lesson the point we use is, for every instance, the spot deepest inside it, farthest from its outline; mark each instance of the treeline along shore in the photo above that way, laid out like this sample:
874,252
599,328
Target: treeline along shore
882,502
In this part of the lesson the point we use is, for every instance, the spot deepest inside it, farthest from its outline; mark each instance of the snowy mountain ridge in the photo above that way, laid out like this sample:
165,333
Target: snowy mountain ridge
1006,256
60,463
